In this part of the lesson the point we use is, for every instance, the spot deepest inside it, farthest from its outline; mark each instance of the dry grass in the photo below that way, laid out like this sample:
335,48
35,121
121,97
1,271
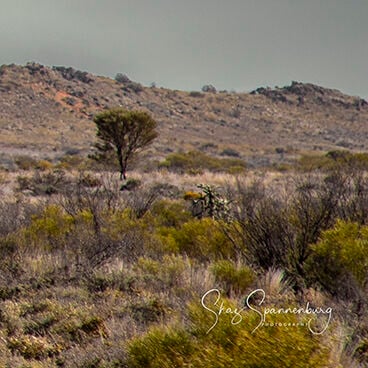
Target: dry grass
188,181
91,315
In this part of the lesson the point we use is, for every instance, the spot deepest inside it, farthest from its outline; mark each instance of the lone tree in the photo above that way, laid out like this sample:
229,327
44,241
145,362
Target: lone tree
126,132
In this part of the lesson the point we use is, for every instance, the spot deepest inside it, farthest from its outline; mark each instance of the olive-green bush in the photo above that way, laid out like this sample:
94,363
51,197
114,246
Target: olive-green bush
229,345
232,278
339,261
333,160
202,239
50,229
170,213
196,162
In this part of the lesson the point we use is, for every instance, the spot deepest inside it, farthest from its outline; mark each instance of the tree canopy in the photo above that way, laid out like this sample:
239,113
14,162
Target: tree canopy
126,132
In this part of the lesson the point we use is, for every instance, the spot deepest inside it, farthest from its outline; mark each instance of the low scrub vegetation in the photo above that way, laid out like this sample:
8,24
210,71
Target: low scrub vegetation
195,162
95,275
228,344
333,160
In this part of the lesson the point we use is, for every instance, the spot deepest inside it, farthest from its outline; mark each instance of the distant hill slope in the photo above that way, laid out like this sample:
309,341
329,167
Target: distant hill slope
48,112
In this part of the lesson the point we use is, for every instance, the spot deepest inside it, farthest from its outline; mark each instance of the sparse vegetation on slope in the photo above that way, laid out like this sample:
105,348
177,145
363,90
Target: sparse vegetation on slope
46,112
199,259
96,276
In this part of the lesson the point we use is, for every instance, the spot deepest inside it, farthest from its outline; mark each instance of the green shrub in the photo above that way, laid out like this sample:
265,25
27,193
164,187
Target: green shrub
161,348
121,222
196,162
32,347
359,160
50,229
339,261
178,162
163,274
77,324
232,278
333,160
201,239
39,327
313,162
235,169
172,269
170,213
228,345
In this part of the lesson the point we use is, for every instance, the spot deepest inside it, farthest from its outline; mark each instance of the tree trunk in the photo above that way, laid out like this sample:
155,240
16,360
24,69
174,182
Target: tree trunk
121,164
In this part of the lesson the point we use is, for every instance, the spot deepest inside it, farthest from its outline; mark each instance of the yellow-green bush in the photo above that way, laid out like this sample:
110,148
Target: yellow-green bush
163,274
90,236
359,160
333,160
172,269
119,222
314,162
230,345
33,347
232,277
42,328
161,348
201,239
170,213
235,169
197,161
147,266
50,229
124,224
340,259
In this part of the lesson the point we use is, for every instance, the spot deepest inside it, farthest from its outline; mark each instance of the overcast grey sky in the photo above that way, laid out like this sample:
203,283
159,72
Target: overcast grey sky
184,44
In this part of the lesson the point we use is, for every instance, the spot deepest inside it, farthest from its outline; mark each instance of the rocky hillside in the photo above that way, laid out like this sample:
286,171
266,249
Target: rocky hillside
48,112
